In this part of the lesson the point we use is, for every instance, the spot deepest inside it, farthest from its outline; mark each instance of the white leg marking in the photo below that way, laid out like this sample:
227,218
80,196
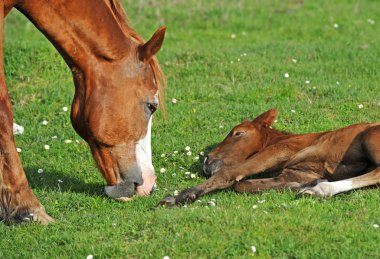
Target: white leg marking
327,189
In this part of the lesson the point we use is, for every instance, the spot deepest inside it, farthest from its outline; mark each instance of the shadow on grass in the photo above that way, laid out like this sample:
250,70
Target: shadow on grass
61,182
197,166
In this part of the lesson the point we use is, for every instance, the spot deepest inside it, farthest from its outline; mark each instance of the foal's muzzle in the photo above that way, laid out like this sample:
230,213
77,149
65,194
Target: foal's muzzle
211,165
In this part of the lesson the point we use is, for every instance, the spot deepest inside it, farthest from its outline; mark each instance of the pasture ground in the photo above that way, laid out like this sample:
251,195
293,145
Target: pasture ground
225,61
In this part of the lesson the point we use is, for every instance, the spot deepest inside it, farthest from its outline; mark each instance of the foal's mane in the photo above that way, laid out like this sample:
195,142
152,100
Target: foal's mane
123,22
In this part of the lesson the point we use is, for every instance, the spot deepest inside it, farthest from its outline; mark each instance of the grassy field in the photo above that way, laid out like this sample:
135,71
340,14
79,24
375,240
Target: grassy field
224,61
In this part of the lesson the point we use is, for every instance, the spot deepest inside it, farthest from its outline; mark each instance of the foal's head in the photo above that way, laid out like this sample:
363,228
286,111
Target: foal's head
243,141
114,115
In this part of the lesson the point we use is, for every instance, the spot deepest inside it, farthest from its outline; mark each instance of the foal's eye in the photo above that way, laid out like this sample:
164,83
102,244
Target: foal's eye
152,107
239,133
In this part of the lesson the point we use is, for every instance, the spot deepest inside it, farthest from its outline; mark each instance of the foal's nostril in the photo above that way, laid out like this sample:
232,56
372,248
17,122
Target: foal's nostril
205,161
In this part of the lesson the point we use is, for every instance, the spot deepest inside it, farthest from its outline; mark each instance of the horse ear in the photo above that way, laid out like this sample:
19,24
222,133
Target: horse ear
151,47
267,118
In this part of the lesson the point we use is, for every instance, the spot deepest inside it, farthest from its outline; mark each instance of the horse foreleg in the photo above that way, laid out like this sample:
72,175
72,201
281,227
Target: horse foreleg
17,200
272,159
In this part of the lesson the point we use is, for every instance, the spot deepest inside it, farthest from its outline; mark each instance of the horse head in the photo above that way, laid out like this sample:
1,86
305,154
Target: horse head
113,113
243,141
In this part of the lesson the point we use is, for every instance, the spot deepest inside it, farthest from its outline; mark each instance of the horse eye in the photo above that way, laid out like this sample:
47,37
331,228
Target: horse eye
239,133
152,107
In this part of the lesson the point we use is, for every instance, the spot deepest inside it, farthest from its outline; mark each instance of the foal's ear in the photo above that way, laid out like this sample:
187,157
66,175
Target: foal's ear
267,118
151,47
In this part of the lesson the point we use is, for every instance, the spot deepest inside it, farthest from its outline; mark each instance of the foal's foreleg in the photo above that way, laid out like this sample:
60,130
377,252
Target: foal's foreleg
272,159
288,179
17,202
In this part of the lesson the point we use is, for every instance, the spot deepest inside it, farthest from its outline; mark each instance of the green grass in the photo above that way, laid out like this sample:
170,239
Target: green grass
213,89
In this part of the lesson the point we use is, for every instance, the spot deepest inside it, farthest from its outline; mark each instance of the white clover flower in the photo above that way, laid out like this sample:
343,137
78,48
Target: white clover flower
175,152
244,54
261,201
221,126
187,148
68,141
307,82
17,129
166,257
360,106
192,176
196,158
211,203
54,137
188,153
175,193
173,174
44,122
253,249
163,155
238,59
337,82
293,111
376,225
90,257
162,170
18,150
47,147
336,26
174,100
370,21
40,171
60,181
65,109
187,173
286,75
202,153
294,60
255,207
233,36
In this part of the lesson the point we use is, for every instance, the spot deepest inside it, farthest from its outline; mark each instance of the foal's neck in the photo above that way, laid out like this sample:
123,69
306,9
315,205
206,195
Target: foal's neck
272,136
83,31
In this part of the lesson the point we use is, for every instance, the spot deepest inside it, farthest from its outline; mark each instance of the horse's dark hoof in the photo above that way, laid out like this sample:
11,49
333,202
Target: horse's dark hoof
169,201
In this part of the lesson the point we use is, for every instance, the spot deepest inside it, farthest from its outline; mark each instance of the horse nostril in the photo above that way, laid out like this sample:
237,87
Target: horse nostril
205,161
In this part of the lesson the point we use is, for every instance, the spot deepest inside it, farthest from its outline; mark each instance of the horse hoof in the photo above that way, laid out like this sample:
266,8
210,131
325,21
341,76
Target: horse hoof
306,192
169,201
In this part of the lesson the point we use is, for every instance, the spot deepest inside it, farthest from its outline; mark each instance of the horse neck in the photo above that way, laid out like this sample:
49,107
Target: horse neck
271,136
82,31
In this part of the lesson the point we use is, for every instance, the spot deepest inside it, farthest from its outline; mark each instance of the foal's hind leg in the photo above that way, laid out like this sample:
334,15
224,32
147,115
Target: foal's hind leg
288,179
371,148
17,202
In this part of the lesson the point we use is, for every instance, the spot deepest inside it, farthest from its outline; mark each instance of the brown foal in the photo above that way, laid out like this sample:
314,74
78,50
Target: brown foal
117,89
317,164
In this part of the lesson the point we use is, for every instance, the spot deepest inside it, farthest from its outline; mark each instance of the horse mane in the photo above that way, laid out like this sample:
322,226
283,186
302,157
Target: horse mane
123,22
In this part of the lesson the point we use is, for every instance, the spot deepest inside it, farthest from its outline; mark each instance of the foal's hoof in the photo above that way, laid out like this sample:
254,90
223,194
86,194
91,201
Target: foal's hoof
169,201
315,192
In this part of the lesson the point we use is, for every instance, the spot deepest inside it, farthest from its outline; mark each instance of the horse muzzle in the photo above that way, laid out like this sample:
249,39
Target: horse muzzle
211,165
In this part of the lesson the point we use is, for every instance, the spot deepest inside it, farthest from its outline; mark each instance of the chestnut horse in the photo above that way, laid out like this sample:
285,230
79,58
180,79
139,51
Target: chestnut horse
317,164
118,85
